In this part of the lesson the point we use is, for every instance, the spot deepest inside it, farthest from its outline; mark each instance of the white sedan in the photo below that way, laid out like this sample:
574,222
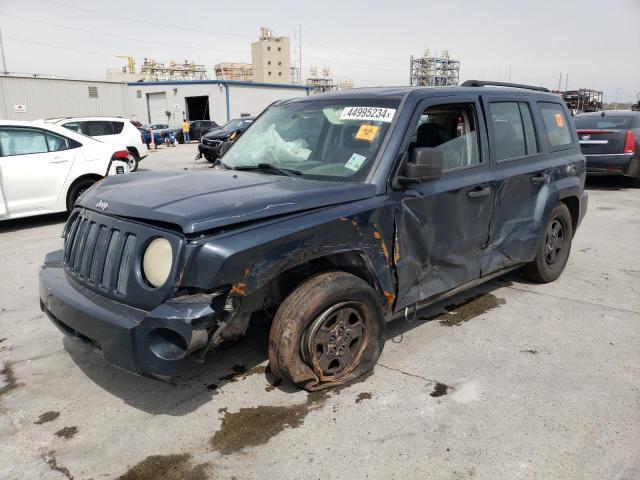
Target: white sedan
45,168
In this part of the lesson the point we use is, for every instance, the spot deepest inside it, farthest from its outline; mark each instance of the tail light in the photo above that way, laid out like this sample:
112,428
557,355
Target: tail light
120,155
629,142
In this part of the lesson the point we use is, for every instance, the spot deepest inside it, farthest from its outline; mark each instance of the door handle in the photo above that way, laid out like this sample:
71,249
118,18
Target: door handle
479,192
59,160
540,178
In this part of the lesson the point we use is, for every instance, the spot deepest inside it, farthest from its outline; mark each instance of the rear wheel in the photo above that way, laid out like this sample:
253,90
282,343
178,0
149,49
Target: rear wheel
327,332
78,189
210,158
553,249
132,160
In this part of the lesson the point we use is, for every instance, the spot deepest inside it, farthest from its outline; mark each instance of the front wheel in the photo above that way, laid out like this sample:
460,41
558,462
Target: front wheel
76,190
328,331
553,248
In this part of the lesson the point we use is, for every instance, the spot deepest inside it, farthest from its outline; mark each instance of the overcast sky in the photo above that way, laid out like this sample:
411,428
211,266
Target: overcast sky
595,42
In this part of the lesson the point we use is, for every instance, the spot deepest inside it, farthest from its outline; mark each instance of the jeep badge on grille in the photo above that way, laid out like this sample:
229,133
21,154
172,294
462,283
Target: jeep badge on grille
102,205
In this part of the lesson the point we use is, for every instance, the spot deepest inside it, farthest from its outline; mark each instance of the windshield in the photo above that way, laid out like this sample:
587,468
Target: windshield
232,125
319,139
601,123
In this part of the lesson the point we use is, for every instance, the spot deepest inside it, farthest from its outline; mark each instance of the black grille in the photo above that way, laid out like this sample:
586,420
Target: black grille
99,255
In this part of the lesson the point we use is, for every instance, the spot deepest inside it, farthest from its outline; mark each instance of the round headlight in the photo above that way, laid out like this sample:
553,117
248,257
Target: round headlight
157,261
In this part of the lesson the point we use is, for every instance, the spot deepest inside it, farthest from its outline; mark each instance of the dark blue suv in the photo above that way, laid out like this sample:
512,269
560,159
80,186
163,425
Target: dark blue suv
333,213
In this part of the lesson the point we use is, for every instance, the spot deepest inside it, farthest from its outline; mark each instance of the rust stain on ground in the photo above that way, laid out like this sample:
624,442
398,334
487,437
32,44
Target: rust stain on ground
49,416
167,467
465,311
240,372
67,432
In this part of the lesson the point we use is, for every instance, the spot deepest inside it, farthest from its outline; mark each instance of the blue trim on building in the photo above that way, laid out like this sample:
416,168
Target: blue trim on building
239,83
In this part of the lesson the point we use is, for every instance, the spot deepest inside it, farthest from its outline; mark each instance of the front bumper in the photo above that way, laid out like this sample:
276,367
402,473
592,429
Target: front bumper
157,343
209,151
613,164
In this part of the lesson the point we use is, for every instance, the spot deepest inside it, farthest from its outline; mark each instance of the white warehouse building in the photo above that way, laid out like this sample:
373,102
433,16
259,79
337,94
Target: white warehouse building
28,98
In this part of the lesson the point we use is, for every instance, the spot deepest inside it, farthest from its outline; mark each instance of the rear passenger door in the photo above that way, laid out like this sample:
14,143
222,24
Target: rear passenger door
521,182
443,225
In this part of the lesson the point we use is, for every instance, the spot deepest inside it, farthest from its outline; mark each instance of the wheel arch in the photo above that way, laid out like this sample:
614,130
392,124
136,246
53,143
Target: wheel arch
573,204
87,176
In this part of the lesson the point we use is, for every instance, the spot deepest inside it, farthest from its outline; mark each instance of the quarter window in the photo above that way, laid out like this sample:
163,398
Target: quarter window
117,127
22,141
452,130
529,129
57,143
556,125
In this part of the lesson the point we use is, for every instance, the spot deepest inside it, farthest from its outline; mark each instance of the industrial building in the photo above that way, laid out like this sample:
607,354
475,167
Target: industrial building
271,58
434,70
28,98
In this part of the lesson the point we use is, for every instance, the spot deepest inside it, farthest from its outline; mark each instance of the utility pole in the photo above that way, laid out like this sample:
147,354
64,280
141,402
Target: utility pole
4,61
560,82
300,49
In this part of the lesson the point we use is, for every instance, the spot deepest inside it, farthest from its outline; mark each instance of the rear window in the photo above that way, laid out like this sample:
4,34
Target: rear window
556,126
602,123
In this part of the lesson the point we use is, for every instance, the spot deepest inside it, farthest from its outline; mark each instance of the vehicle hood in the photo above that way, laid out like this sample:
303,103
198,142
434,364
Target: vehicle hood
204,200
218,134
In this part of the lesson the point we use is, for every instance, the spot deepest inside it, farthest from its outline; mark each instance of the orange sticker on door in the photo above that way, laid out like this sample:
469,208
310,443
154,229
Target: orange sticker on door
368,133
559,120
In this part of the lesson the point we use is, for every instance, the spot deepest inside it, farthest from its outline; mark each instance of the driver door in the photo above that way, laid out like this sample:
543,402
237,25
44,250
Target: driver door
442,225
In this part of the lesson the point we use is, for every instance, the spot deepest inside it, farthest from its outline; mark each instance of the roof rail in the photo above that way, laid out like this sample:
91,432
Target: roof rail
482,83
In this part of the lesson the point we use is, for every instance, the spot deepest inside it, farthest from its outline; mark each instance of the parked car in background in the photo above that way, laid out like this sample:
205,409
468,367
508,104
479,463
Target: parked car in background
136,123
44,168
158,139
197,128
211,144
111,130
610,142
334,214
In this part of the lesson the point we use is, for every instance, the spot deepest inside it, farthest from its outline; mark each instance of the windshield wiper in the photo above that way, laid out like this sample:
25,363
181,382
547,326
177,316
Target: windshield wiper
289,172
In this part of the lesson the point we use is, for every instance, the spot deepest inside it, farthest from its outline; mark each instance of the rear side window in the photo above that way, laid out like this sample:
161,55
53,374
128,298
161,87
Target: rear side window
117,127
508,131
57,143
97,128
22,141
556,126
529,129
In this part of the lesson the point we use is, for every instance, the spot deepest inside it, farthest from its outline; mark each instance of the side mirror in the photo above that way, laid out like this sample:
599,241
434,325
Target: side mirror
425,164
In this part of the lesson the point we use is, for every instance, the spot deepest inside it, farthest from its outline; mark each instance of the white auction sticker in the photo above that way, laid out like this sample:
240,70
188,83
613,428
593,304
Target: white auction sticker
355,162
368,113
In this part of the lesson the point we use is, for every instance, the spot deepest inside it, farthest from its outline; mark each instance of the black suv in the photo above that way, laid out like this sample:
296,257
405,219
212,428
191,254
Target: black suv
213,143
334,213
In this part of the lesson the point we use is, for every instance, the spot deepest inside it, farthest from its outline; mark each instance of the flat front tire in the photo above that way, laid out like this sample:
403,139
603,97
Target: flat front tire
327,332
553,248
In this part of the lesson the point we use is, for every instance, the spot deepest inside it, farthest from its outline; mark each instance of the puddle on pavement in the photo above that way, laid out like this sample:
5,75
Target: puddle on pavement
240,372
363,396
252,426
439,389
10,381
67,432
472,307
49,416
167,467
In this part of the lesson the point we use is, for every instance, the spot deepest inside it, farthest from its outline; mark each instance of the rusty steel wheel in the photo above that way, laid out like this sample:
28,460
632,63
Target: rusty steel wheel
335,340
328,331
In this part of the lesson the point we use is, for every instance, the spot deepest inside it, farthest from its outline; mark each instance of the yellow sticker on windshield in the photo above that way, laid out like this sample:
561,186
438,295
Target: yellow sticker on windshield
368,133
559,120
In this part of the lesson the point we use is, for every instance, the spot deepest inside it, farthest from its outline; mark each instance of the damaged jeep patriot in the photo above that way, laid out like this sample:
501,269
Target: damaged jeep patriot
332,214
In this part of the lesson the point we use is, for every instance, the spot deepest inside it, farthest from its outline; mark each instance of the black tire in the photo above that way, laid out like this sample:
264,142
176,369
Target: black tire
553,248
133,159
78,189
327,332
210,158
